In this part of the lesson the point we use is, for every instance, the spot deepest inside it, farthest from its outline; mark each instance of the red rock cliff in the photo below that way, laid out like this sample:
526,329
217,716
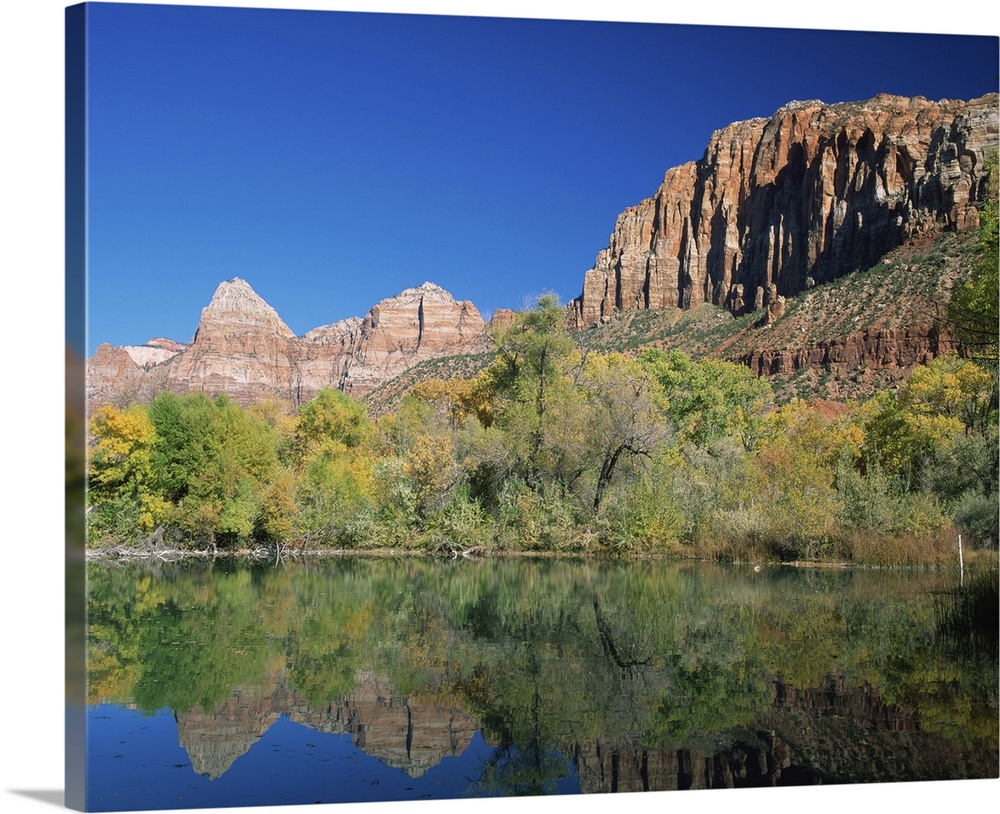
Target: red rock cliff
778,205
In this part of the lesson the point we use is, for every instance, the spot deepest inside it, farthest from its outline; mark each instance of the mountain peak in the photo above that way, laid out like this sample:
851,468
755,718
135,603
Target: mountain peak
236,306
418,292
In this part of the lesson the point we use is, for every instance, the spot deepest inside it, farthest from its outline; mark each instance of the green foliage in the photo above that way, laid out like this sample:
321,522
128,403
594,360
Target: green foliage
641,518
122,494
215,462
952,388
331,417
710,399
977,516
332,489
974,308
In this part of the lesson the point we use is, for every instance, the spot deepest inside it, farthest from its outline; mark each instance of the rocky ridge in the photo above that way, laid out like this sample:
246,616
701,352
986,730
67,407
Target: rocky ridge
778,205
244,349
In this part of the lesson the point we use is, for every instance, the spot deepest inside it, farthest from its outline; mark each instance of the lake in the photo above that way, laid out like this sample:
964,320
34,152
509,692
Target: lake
352,679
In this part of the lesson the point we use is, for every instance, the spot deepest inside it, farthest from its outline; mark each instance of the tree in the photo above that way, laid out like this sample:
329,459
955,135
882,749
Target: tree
625,418
120,477
528,379
973,309
215,462
331,416
953,388
183,424
710,399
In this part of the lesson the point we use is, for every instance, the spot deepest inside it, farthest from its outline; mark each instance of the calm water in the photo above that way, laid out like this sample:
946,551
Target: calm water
359,680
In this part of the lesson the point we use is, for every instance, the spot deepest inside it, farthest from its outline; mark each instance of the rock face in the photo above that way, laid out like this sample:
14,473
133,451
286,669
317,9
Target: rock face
420,323
241,348
778,205
244,349
902,349
114,376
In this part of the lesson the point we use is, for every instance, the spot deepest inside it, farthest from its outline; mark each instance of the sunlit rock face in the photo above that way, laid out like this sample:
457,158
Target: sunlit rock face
242,348
113,376
417,324
777,205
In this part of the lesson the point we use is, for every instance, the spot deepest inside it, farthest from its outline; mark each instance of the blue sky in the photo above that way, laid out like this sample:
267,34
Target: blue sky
333,159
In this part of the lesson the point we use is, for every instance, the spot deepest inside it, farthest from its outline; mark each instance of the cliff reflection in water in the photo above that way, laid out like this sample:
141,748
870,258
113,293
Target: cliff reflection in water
643,676
409,736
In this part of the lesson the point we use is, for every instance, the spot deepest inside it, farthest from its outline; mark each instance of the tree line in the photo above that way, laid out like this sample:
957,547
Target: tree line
557,447
553,447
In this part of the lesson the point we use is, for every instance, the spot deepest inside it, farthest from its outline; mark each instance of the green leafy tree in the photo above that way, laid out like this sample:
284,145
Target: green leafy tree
215,462
710,399
528,376
973,309
625,417
330,417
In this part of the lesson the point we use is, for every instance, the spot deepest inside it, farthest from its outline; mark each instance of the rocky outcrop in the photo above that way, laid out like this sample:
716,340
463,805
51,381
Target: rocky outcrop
877,349
241,348
154,352
418,324
113,376
778,205
244,349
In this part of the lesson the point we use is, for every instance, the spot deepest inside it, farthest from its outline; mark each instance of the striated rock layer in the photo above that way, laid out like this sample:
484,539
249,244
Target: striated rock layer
778,205
244,349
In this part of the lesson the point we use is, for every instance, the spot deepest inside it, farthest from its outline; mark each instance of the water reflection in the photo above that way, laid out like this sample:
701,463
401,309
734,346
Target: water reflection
597,677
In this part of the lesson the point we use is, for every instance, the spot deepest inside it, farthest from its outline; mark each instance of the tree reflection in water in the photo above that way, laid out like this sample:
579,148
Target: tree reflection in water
625,676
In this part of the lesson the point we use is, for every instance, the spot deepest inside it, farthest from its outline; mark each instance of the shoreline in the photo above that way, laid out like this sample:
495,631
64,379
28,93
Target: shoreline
264,555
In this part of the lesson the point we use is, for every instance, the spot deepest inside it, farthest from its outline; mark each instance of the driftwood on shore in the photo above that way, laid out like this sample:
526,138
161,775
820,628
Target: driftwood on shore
157,547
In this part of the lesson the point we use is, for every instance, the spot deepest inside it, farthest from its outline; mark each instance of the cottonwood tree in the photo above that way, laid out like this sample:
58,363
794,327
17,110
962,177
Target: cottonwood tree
121,481
625,417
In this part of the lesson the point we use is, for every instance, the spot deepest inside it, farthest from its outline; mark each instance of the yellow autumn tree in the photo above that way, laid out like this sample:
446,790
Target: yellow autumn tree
120,475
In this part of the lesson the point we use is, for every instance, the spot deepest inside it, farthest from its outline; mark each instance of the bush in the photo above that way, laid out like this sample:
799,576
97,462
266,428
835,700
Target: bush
640,518
460,524
115,522
529,520
977,517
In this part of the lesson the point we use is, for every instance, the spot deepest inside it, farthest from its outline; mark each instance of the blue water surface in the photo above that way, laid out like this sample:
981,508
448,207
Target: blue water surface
135,761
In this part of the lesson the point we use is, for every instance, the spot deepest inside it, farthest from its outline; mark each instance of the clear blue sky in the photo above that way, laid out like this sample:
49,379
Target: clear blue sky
333,159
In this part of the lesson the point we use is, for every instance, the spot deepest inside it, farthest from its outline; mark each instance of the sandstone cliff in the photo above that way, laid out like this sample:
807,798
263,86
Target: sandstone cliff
417,324
244,349
776,206
241,348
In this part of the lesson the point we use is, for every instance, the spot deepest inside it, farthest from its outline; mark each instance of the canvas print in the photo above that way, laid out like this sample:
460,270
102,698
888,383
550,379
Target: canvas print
478,407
